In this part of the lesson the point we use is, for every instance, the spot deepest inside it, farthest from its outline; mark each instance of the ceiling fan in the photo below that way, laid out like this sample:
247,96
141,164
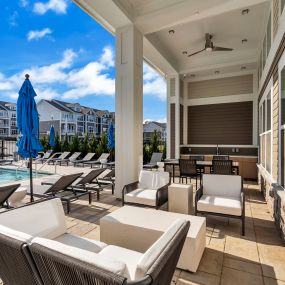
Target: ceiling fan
209,46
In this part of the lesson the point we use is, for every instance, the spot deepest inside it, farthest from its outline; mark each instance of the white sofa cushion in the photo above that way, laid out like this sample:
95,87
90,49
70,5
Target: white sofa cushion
129,257
15,234
222,205
152,254
80,242
92,258
45,219
153,179
222,185
142,196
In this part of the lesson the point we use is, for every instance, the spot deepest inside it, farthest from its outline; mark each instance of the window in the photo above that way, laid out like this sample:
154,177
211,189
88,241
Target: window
265,132
282,151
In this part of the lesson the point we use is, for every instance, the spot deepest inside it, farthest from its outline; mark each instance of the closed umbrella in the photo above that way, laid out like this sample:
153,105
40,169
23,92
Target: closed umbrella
51,137
28,126
111,139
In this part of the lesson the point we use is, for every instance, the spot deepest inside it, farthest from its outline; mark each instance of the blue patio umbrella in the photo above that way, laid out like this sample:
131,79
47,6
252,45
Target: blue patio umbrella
111,137
51,137
28,125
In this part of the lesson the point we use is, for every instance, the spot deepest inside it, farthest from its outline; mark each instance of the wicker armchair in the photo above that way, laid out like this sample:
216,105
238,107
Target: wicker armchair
151,190
221,195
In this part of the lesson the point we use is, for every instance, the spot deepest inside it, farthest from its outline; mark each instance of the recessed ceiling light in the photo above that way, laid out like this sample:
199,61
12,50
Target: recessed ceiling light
243,41
217,72
192,75
243,68
171,32
184,52
245,11
184,75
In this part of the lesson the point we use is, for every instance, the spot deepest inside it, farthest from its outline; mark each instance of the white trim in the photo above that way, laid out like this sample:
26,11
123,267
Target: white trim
220,100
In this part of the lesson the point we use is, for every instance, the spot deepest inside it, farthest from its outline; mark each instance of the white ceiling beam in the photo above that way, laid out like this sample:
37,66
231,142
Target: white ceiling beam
184,12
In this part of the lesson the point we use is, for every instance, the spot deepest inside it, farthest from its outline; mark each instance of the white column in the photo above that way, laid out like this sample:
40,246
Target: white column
255,111
129,106
173,97
185,115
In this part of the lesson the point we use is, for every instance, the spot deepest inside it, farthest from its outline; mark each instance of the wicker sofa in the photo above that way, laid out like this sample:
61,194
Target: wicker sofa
35,249
221,195
150,190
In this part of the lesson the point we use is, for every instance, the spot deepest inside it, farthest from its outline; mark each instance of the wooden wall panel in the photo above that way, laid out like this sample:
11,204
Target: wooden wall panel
181,123
172,130
235,85
229,123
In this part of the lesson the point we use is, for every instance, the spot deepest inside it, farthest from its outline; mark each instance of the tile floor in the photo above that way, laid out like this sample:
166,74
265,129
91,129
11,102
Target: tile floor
258,258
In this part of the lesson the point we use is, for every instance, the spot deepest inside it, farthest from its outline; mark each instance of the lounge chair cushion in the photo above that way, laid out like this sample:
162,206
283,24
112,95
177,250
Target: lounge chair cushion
129,257
153,253
153,180
223,205
45,219
142,196
222,185
92,258
83,243
15,234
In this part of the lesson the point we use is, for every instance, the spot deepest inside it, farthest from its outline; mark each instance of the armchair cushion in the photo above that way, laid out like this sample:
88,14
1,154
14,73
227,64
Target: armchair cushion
222,185
223,205
80,242
127,256
142,196
45,219
152,254
153,180
92,258
15,234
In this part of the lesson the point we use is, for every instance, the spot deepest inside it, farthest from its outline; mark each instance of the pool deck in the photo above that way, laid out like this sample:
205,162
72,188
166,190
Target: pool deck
258,258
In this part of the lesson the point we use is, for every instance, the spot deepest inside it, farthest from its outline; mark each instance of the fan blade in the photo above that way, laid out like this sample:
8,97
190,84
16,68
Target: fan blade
196,52
222,49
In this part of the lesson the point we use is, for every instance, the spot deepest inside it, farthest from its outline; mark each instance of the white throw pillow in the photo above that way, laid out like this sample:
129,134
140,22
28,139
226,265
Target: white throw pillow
15,234
152,254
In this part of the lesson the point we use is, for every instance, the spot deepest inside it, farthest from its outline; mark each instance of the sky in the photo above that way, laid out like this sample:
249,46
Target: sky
68,55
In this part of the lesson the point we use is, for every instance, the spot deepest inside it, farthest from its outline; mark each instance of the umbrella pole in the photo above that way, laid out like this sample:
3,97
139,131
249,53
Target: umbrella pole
31,180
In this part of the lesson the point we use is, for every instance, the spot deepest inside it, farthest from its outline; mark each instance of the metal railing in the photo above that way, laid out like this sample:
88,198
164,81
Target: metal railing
47,161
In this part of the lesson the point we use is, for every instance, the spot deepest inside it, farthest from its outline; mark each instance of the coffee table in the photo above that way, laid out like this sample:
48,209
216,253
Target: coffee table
138,228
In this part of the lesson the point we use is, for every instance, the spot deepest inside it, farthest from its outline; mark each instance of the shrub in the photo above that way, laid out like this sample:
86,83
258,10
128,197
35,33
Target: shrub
45,143
57,143
92,144
65,144
103,145
75,143
84,146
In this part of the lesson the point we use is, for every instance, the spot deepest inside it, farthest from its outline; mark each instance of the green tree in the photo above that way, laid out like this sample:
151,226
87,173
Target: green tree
45,143
154,143
146,153
92,144
102,145
65,145
75,143
57,143
164,151
84,146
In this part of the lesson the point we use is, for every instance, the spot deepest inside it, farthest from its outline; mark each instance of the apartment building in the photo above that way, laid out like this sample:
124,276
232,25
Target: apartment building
72,118
8,119
149,127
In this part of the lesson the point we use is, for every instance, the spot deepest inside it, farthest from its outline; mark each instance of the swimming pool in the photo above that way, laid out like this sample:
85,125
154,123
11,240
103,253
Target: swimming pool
10,175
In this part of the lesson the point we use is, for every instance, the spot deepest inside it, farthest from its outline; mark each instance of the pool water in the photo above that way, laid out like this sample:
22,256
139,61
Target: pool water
10,175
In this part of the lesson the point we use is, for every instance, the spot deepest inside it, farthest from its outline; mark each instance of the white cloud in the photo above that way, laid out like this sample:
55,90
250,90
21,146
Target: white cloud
162,120
57,6
38,34
13,19
23,3
59,80
154,83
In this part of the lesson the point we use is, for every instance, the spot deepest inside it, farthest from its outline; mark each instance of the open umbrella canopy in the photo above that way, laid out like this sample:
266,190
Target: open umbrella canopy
111,137
28,121
52,137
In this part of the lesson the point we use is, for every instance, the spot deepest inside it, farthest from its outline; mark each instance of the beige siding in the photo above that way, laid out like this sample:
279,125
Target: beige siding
235,85
172,87
275,130
275,16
